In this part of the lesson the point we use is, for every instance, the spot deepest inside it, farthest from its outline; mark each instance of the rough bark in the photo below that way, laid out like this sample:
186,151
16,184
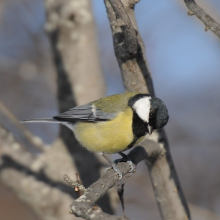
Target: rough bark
129,47
135,71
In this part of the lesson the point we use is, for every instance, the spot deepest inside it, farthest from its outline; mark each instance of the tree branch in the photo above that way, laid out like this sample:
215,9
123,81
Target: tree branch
71,28
130,46
209,22
135,72
137,77
82,207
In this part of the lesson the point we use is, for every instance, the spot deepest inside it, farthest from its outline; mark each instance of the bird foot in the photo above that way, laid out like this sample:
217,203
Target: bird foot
133,166
126,158
116,169
113,166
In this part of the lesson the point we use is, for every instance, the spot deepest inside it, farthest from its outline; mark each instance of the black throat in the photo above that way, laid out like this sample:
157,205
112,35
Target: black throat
139,127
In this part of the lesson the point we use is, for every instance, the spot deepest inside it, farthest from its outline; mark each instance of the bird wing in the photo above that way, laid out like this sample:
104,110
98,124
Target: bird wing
103,109
88,112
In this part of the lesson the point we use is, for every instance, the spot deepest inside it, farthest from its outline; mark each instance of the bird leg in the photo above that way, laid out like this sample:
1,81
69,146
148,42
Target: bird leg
113,165
126,158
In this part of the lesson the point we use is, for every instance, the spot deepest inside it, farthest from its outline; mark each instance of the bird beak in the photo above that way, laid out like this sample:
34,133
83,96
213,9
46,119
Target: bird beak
150,129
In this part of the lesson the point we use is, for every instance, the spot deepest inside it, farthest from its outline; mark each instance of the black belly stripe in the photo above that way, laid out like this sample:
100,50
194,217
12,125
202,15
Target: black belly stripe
139,128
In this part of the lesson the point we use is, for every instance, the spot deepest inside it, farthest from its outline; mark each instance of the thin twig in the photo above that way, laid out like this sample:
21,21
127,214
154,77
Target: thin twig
77,185
210,23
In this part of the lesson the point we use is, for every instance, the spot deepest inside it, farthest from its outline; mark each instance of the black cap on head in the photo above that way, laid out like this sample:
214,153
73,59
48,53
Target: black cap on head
158,114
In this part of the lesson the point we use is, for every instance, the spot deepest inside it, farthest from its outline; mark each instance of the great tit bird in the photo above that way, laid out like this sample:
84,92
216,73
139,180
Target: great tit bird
115,123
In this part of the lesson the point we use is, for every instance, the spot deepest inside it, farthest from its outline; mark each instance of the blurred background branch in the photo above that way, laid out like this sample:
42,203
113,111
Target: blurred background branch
25,136
70,26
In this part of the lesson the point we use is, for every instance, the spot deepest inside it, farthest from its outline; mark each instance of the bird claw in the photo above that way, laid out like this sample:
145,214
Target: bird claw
133,167
124,158
116,169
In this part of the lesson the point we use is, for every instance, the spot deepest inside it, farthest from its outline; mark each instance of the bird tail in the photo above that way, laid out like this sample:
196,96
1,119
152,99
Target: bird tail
40,120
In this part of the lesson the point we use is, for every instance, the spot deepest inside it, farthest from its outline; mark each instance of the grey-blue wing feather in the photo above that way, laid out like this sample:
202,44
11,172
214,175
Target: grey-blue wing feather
86,112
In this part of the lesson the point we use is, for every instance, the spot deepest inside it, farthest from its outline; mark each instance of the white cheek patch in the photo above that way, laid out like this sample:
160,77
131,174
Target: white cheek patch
142,108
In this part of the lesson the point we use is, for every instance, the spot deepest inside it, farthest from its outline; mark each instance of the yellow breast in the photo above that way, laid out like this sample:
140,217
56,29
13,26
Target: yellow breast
109,136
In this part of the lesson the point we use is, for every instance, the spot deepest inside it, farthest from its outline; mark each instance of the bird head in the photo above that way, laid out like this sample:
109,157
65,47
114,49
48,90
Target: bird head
150,110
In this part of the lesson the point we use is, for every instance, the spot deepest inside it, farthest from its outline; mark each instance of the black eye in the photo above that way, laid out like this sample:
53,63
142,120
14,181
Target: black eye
151,115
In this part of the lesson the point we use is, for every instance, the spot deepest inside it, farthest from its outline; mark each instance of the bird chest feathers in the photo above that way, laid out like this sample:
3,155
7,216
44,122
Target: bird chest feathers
108,136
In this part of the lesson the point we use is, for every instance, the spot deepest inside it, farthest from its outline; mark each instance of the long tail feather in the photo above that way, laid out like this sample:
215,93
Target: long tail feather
43,120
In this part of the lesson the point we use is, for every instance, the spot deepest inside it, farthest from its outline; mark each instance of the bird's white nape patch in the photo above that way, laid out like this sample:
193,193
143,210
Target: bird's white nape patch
142,108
